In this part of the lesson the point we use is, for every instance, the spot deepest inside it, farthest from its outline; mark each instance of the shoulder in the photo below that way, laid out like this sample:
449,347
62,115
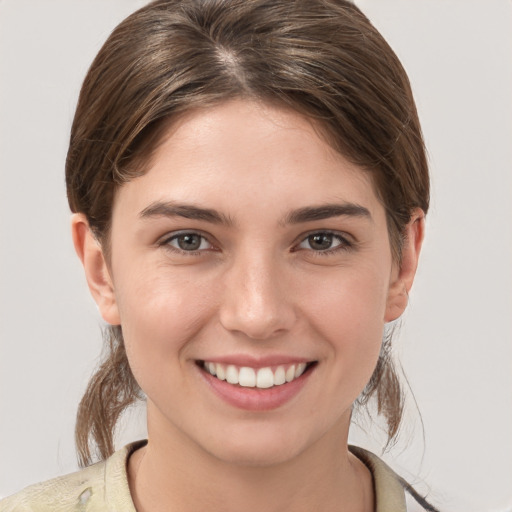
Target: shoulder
59,494
392,492
100,487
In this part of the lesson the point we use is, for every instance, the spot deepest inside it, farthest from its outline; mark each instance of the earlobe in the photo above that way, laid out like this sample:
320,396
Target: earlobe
403,278
96,269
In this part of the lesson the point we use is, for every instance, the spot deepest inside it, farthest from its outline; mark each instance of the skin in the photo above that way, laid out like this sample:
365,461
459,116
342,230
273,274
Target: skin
256,286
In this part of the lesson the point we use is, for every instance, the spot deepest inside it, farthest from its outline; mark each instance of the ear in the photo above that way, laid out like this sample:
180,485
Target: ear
96,269
403,276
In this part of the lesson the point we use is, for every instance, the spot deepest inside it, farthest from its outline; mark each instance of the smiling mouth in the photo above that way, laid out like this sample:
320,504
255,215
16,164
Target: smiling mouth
261,378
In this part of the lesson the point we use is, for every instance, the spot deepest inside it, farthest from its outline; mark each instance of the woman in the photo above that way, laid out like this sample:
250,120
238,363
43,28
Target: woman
249,185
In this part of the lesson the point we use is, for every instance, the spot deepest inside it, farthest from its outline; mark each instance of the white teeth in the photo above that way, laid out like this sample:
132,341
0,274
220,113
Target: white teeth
264,378
248,377
300,369
232,374
290,373
279,376
219,370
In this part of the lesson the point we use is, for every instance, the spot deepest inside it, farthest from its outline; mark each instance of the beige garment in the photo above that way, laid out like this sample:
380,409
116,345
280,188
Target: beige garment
103,487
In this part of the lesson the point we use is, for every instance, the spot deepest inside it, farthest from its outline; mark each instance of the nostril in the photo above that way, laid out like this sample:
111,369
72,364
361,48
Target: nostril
256,325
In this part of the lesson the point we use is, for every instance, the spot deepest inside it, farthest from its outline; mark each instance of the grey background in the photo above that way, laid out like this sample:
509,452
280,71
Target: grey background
455,341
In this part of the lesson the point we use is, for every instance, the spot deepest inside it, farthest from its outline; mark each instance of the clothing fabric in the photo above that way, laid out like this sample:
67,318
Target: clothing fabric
103,487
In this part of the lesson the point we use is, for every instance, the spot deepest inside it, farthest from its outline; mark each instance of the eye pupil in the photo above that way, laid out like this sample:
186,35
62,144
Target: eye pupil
320,241
190,242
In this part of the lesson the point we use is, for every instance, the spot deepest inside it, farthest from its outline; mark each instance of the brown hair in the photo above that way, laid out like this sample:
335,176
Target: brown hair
322,58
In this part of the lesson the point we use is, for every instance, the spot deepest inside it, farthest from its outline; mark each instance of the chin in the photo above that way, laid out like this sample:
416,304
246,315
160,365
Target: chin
258,446
256,456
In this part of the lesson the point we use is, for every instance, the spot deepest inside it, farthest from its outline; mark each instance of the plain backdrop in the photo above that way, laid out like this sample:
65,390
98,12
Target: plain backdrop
455,340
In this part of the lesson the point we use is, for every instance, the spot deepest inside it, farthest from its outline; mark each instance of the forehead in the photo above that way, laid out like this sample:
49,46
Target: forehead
251,150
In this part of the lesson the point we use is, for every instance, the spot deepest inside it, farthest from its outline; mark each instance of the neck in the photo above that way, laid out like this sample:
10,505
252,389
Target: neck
173,473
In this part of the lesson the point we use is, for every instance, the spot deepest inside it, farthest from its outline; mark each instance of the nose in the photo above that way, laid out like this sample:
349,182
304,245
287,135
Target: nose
256,298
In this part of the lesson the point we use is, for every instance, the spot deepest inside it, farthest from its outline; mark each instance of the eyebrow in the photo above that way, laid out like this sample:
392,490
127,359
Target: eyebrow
187,211
312,213
306,214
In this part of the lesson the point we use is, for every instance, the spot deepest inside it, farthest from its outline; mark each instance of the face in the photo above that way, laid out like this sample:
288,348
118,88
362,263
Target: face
252,275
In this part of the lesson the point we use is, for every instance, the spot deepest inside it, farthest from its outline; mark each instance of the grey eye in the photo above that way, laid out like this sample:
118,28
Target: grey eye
321,242
189,242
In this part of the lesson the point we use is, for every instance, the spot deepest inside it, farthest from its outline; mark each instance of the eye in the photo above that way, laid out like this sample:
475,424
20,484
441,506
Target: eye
324,242
188,242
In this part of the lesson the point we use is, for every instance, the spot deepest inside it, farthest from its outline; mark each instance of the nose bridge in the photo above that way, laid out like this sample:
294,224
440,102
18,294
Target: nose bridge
255,301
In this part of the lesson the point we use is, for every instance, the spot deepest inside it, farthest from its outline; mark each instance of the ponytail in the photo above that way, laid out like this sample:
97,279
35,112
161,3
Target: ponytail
110,391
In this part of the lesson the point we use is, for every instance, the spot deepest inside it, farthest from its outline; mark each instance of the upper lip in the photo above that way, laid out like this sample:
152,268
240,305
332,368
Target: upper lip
257,362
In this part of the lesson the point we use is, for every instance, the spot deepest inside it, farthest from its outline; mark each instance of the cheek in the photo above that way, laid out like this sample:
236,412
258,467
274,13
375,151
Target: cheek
352,300
348,313
160,312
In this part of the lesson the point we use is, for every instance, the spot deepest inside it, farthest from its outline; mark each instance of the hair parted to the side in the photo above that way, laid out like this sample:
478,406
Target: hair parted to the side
322,58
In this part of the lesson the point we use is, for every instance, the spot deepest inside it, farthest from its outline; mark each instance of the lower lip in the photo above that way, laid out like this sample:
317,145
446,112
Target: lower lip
255,399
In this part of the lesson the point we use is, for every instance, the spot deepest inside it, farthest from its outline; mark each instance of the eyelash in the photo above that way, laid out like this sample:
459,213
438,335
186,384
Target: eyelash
343,243
175,236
